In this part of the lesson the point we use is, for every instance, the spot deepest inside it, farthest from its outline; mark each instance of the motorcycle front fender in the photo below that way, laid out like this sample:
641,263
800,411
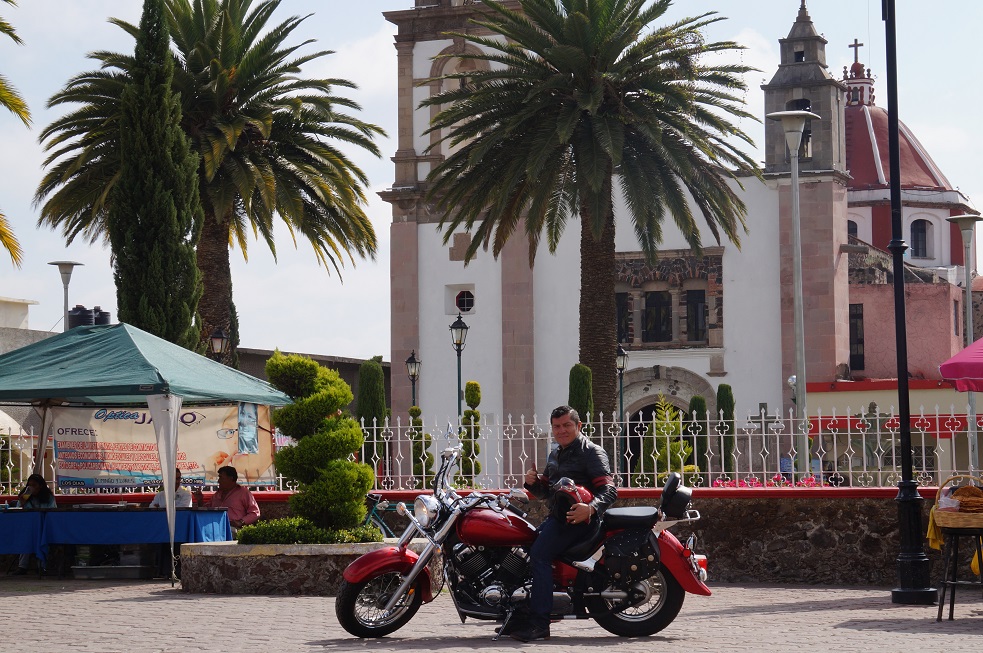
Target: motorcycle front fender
384,560
676,563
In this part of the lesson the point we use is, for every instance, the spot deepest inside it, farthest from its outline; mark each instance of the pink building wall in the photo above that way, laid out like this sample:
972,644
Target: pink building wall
931,328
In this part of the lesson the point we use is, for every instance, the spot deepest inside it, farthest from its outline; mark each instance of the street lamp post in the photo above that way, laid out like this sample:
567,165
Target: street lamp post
621,363
413,371
793,122
914,567
218,344
459,333
967,225
65,268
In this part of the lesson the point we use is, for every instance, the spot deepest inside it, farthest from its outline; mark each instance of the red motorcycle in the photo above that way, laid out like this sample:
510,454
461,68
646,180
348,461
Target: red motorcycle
630,575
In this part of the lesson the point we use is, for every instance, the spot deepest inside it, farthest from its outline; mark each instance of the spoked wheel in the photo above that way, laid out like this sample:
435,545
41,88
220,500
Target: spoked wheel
360,607
663,598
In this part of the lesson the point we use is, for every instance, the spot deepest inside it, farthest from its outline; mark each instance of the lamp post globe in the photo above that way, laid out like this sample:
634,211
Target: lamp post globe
65,268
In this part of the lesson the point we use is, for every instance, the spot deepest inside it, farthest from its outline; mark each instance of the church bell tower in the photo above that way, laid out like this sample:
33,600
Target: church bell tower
803,82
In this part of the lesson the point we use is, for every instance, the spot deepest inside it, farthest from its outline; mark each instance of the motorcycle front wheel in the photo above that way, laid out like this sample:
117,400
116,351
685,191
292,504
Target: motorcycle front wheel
662,601
360,606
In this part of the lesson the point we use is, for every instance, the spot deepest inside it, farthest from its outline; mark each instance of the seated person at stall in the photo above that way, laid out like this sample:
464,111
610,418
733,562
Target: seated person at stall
35,495
240,502
182,495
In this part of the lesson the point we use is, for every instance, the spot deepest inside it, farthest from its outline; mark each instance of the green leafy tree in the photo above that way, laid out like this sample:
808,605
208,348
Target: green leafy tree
725,405
470,432
331,488
155,209
11,100
580,98
270,143
663,448
580,396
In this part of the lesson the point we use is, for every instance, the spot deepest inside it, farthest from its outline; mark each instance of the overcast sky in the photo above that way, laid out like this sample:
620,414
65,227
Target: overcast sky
296,305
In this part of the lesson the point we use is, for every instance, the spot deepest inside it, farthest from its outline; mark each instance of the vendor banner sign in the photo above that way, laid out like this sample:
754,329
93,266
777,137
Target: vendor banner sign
107,447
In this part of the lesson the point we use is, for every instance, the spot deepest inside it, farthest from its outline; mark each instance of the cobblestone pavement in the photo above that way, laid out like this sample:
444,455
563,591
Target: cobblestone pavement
49,615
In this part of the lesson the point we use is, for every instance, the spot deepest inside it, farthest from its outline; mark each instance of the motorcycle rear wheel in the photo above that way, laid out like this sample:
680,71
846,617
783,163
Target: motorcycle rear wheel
663,600
359,606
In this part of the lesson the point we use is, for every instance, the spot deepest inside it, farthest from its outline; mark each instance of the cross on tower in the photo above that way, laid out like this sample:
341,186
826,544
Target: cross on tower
856,45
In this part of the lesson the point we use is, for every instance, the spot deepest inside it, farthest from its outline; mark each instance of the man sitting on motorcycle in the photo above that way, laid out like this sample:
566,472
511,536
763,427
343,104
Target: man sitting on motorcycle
577,458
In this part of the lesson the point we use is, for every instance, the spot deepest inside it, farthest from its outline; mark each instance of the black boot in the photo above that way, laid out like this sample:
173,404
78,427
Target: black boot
535,629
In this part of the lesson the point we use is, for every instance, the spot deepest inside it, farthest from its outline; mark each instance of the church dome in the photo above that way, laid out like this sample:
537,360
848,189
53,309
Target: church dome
867,155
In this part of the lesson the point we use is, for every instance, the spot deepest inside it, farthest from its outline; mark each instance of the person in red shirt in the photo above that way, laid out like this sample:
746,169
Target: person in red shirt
242,507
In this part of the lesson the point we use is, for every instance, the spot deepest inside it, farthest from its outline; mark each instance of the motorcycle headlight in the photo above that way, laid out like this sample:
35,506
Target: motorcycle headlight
425,509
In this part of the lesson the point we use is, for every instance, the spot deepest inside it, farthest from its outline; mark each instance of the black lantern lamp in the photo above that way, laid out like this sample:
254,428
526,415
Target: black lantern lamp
459,333
413,371
621,363
218,344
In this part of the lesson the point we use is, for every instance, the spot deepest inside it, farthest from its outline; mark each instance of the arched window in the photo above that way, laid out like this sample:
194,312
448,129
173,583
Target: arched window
921,231
851,228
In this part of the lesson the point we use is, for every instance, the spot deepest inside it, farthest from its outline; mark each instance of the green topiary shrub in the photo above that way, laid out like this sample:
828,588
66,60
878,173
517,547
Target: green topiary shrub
331,488
370,407
581,397
663,450
297,530
420,439
470,431
725,406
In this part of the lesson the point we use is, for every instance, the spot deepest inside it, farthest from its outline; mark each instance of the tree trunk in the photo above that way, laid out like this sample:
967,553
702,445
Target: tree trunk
598,319
216,277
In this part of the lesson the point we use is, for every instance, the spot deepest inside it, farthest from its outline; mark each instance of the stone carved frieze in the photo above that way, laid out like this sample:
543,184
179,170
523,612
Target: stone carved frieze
672,267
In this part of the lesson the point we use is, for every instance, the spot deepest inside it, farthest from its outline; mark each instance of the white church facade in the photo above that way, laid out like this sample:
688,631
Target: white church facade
688,322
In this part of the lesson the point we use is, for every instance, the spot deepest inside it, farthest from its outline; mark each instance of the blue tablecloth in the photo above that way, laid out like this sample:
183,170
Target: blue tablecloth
20,531
35,530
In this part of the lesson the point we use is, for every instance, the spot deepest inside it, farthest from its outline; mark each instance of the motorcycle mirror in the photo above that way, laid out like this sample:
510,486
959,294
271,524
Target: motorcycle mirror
518,493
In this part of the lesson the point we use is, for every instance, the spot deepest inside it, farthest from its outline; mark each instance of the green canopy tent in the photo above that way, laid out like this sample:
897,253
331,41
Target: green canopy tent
121,365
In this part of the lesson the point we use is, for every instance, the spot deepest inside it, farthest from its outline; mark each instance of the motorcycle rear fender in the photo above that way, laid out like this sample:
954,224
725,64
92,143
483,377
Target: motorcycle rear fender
676,563
385,560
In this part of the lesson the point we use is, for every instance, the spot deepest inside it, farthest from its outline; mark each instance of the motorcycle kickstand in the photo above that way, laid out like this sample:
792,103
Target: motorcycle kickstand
508,618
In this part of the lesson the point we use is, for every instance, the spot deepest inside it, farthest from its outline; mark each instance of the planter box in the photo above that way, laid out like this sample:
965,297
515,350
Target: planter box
309,569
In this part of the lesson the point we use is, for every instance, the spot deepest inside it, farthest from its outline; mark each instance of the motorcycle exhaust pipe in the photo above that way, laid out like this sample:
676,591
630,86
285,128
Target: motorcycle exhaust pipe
614,595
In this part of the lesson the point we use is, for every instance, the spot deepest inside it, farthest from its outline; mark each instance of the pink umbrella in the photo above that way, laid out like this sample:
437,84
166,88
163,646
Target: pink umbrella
965,369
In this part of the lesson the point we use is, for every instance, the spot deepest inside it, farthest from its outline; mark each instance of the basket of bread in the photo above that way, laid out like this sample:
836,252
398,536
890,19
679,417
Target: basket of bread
959,505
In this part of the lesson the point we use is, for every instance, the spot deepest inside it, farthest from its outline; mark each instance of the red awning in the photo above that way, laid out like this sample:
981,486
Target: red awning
965,369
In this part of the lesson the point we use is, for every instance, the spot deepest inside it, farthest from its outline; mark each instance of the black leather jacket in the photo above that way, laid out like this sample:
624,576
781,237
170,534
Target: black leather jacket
584,462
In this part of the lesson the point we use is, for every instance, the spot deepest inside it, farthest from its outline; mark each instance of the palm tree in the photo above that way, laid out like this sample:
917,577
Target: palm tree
269,142
581,97
11,100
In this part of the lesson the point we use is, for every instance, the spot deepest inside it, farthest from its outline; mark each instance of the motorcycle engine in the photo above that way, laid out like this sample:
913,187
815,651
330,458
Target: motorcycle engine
485,575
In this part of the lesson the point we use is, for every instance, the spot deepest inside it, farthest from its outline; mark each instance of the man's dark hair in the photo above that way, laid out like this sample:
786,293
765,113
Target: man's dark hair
563,411
229,471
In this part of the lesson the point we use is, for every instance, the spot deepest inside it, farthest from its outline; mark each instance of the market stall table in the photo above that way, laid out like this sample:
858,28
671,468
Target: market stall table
20,531
34,531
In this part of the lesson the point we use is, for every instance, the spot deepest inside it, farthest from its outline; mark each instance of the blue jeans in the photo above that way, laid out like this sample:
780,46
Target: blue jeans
554,538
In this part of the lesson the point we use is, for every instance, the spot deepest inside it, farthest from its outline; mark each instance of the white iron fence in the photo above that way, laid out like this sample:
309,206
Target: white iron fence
857,448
